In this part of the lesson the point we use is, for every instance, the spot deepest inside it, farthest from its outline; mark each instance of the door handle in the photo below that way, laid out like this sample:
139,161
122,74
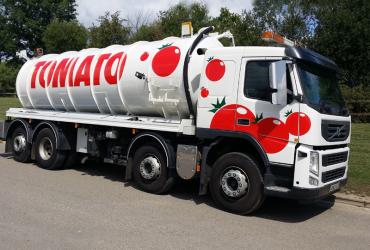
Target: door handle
243,122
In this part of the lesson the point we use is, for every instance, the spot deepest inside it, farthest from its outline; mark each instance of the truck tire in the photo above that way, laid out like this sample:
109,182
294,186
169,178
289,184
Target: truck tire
21,150
150,171
236,183
47,156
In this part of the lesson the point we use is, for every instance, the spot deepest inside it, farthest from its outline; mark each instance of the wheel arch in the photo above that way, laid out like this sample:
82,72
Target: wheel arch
142,138
12,126
62,142
226,142
146,137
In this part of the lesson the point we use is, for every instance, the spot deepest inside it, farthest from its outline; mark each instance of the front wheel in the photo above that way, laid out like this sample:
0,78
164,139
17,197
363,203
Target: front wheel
236,183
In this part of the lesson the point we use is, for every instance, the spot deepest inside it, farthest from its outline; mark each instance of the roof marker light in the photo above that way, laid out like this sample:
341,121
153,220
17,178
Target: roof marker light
270,36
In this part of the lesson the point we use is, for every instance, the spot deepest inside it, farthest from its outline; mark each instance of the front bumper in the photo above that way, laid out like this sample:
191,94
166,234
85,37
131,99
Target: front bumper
306,193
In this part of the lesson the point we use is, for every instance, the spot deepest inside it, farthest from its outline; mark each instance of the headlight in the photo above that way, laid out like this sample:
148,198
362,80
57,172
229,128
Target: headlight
314,163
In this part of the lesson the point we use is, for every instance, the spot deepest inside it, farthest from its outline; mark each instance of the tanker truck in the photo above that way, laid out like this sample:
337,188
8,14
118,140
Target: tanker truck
244,122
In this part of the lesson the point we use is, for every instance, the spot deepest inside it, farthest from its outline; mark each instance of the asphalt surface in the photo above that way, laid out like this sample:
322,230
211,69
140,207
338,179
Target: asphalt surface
90,207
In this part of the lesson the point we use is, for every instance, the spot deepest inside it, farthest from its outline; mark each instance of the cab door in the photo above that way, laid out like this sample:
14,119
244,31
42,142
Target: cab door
267,122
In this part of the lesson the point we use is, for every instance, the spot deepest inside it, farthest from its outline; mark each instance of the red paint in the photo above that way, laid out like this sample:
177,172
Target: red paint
166,60
226,118
51,72
273,135
109,77
215,70
83,72
42,74
204,92
144,56
70,78
34,74
122,67
298,123
60,73
98,66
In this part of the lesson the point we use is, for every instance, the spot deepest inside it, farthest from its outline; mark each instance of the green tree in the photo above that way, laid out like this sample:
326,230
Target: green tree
61,36
343,34
171,19
23,22
291,18
110,30
243,26
8,74
149,32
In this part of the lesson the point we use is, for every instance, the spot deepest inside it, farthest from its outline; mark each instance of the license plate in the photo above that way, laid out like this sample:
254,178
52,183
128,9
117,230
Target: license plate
334,187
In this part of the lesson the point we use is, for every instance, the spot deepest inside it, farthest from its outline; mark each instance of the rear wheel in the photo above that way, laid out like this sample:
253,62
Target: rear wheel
150,170
236,183
20,148
47,155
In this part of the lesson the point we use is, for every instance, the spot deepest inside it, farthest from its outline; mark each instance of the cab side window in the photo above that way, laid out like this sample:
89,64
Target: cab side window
257,80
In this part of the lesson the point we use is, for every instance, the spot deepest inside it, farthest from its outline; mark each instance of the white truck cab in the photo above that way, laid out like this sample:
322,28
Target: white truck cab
287,100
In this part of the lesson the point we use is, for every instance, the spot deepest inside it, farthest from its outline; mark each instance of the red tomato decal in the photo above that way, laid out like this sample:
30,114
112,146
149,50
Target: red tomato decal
226,117
144,56
215,69
204,92
298,123
166,60
273,135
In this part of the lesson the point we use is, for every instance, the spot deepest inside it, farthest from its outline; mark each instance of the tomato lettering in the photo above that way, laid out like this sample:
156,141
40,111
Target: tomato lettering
58,73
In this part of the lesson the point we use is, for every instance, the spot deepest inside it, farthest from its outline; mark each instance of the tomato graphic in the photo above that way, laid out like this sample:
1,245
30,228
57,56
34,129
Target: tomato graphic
215,69
298,123
273,135
144,56
226,117
166,60
204,92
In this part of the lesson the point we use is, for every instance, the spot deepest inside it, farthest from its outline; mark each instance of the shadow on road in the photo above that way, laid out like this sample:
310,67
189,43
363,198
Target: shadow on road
283,210
288,211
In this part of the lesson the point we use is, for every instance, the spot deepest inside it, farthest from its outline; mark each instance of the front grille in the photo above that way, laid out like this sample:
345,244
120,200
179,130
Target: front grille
334,130
332,159
333,174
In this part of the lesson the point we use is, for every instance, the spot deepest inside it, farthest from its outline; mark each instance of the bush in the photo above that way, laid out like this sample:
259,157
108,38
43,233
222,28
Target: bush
358,102
61,36
8,75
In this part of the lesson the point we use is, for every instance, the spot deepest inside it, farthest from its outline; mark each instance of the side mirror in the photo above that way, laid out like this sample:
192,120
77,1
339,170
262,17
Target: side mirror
278,83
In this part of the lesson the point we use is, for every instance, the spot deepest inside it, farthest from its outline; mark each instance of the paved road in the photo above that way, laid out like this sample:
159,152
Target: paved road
89,207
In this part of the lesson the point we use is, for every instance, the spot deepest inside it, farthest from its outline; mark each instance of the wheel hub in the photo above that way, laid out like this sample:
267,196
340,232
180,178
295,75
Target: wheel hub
234,183
19,143
150,168
45,149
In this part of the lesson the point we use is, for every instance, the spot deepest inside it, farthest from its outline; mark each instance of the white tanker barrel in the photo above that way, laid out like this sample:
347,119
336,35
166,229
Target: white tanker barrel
144,78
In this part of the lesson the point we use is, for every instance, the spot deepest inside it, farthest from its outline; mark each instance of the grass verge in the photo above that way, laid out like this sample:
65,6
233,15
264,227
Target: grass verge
6,103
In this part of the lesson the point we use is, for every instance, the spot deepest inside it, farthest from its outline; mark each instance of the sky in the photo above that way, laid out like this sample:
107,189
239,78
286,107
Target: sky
89,10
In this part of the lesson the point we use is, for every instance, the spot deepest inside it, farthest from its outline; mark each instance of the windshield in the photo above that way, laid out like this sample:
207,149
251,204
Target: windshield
321,89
